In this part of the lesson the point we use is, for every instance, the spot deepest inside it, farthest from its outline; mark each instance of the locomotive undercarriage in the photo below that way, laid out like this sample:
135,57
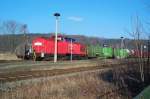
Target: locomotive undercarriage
50,57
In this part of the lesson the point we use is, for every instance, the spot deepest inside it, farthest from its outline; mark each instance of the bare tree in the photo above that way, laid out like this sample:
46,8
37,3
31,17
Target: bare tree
11,28
25,38
136,33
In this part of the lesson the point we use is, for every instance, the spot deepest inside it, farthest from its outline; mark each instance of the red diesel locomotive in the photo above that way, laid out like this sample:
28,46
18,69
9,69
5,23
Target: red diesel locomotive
43,47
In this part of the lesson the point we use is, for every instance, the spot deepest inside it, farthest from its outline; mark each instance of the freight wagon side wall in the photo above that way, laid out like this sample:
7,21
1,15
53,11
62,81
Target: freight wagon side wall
108,52
138,53
94,51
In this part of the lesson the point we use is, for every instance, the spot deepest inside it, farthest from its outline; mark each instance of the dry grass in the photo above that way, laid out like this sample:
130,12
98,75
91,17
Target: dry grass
8,56
87,85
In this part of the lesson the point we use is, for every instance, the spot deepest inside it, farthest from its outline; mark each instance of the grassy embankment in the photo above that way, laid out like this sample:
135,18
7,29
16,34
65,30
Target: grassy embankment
87,85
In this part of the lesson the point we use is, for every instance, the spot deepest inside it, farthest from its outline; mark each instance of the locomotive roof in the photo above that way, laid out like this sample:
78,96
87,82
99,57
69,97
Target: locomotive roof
70,39
65,38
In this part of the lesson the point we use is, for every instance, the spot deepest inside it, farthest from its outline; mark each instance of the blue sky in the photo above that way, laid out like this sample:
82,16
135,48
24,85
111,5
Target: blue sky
101,18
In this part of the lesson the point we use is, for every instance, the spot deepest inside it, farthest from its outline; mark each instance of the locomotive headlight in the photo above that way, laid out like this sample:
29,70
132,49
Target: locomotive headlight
38,44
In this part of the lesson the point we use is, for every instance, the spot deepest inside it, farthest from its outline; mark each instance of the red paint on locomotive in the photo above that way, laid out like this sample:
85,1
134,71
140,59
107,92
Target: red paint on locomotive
46,46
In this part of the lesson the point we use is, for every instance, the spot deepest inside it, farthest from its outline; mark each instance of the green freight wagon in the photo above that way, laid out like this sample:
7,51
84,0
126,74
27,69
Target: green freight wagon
94,51
124,53
120,53
107,52
116,53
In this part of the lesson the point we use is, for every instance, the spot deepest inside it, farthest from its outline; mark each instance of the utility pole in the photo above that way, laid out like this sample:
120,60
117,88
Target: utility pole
25,40
55,51
121,42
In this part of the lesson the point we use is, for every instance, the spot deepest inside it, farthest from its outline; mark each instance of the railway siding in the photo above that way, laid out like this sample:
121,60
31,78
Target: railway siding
51,69
14,66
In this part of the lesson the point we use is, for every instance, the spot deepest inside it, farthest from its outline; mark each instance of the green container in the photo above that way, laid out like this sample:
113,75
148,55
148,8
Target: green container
120,53
94,51
123,53
116,53
107,52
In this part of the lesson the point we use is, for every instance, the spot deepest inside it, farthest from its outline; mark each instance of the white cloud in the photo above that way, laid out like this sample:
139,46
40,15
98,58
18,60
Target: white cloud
75,18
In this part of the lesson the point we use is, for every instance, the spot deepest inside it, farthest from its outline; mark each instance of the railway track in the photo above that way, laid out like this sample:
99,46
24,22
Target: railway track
36,73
